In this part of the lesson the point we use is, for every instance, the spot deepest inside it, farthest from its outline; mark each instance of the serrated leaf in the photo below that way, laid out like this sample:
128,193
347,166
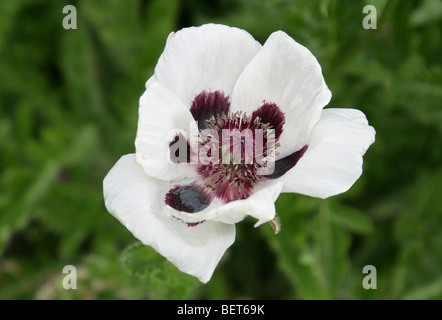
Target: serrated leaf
162,278
141,260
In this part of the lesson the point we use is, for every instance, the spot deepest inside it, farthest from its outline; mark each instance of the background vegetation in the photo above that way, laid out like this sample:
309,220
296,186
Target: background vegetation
68,111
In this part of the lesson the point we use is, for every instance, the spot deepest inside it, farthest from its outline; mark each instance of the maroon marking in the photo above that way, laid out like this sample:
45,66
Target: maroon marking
189,224
235,179
207,105
269,113
285,164
189,198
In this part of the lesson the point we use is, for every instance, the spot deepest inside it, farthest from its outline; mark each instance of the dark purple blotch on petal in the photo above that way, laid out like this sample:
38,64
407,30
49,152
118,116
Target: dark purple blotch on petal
269,113
207,105
194,224
285,164
189,198
190,224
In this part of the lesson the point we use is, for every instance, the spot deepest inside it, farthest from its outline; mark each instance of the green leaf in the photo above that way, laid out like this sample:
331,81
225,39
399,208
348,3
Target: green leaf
8,12
331,247
81,70
428,12
351,219
161,277
379,4
141,260
428,291
296,253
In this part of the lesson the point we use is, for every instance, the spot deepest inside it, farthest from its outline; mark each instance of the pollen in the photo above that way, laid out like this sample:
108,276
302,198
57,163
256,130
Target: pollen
235,146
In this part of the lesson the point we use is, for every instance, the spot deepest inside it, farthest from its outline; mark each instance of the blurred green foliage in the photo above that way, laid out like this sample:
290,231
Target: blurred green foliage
68,111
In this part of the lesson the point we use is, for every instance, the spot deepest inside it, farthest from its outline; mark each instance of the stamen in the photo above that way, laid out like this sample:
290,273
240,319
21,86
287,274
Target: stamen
233,164
276,225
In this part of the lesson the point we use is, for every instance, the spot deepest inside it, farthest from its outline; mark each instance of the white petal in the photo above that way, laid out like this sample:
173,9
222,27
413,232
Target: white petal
161,115
151,80
260,205
333,160
286,73
137,201
209,57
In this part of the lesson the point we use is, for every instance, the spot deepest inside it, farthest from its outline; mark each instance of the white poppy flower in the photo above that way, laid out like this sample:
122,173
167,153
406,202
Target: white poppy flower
216,77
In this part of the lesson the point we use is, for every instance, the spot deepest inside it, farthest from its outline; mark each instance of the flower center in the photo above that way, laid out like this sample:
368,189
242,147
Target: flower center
233,149
235,152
